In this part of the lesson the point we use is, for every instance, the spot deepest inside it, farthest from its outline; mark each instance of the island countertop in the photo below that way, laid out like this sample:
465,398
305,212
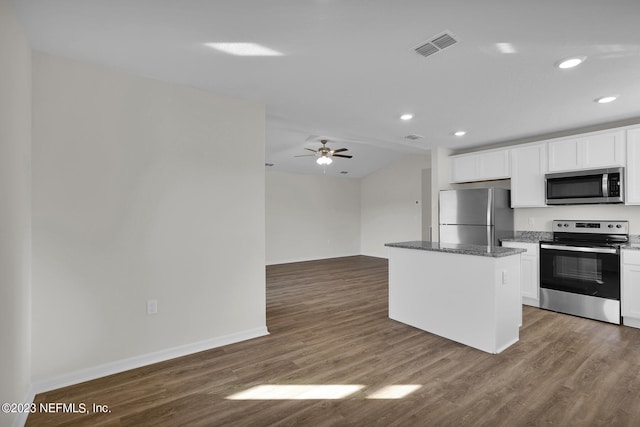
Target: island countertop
455,248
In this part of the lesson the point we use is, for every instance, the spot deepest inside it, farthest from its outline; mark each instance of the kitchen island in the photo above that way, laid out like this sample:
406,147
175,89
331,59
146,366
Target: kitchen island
466,293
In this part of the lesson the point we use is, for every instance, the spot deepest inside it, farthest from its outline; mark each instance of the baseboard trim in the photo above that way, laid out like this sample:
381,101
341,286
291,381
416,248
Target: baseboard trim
507,345
21,418
375,255
118,366
305,259
629,321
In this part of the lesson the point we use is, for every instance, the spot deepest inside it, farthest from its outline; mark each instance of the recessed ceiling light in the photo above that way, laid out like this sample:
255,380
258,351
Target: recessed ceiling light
570,62
606,99
460,133
506,48
244,49
406,117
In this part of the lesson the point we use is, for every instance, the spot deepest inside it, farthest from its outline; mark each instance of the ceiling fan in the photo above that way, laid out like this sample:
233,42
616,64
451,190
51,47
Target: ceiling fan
324,153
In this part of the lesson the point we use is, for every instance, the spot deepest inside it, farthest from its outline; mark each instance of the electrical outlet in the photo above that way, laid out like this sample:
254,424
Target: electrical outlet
532,220
504,277
152,306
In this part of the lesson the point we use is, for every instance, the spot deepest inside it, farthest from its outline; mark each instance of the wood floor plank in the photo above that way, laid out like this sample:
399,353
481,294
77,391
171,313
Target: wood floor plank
329,325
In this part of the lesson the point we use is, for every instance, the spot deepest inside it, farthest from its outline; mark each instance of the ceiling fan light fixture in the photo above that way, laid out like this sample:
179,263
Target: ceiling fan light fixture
324,160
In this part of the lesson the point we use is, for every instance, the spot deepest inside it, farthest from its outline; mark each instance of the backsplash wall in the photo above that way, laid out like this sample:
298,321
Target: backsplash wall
542,217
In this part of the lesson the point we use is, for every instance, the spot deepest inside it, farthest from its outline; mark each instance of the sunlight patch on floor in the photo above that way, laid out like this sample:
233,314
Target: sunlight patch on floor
394,391
296,392
320,391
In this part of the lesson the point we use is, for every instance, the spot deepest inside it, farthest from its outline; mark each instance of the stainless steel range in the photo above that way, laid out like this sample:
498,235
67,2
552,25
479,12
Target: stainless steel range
580,269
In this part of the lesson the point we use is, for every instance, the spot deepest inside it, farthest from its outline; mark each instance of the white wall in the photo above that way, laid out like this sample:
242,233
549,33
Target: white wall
311,217
15,210
141,190
542,217
440,180
389,212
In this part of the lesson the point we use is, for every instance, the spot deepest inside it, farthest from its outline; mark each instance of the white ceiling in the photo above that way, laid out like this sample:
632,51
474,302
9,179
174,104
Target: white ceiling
348,69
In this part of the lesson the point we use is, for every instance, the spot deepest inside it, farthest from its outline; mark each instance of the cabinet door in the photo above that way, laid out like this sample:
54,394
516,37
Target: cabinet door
631,291
494,165
528,166
464,168
632,182
603,150
481,166
529,280
529,272
564,155
630,287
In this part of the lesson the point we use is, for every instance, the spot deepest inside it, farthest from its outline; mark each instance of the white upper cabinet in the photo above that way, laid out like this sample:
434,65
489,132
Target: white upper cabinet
480,166
604,150
632,182
464,168
528,166
588,151
564,155
494,164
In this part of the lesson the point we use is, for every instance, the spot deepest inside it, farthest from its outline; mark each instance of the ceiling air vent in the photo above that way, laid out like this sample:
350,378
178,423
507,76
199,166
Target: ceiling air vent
413,137
436,44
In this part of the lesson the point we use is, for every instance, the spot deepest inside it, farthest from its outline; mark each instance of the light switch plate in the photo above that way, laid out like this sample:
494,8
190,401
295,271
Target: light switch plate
152,306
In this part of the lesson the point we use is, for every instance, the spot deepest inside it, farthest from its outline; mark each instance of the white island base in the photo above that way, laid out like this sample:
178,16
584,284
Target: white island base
474,300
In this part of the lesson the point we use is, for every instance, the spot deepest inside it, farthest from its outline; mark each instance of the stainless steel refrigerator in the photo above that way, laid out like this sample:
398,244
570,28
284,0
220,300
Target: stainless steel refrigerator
479,216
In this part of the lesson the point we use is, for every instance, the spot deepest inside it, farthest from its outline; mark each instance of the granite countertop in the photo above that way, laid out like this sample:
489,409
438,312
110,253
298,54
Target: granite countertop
529,236
454,248
632,246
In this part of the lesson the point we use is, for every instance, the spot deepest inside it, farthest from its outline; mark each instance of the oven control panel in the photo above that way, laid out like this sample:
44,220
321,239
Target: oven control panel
596,227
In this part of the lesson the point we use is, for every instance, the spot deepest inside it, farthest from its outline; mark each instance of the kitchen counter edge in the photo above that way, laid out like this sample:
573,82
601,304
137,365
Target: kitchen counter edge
460,249
529,237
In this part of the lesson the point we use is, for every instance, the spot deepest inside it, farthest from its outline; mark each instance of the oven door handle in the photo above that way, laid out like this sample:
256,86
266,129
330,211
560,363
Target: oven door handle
579,249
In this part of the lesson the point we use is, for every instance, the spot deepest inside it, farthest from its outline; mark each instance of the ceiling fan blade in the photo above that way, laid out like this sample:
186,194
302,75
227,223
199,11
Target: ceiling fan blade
342,155
311,150
340,150
306,155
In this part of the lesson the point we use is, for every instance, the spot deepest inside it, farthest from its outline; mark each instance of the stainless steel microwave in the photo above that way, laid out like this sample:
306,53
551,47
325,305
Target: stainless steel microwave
585,187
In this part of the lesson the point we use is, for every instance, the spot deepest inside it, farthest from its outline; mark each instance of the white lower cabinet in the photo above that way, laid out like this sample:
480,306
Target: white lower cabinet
630,287
529,272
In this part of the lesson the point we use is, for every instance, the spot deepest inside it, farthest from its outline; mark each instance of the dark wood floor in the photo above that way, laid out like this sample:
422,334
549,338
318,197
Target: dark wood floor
329,326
